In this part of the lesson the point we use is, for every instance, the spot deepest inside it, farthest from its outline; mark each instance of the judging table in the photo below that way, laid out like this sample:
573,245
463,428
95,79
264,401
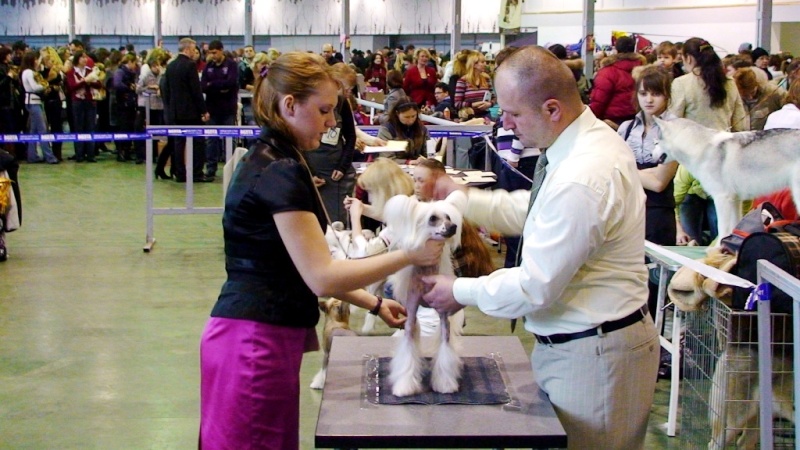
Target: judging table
348,420
667,265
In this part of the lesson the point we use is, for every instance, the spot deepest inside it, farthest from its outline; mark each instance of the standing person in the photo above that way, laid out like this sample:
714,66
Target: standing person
760,99
124,85
184,105
332,163
148,92
613,85
641,134
220,83
582,284
474,89
375,75
8,96
420,79
36,88
278,263
51,72
80,82
711,99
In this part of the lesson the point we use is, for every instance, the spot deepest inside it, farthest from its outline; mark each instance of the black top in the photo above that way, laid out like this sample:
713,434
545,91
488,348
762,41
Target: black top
263,283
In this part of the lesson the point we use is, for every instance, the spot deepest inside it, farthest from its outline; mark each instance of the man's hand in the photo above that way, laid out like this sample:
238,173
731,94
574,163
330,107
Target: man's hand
336,175
205,117
445,186
440,296
318,181
427,255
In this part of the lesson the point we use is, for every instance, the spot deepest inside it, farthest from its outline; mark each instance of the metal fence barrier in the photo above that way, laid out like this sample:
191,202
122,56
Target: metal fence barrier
770,275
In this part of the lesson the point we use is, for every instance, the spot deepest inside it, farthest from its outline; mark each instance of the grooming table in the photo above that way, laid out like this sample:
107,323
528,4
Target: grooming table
348,420
667,265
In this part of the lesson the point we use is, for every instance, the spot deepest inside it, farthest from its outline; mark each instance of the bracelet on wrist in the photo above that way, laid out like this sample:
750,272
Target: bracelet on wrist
374,311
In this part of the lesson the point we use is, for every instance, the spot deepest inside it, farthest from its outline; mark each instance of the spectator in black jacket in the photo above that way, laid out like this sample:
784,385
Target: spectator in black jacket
184,105
220,83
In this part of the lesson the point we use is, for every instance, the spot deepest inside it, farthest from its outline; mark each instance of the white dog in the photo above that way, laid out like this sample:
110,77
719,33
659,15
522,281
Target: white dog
732,166
412,223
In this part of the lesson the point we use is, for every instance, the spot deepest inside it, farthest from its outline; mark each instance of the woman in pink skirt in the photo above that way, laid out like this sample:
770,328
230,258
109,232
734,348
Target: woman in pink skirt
278,263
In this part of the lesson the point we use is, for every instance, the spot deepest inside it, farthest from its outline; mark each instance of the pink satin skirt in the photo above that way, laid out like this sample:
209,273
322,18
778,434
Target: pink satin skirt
250,385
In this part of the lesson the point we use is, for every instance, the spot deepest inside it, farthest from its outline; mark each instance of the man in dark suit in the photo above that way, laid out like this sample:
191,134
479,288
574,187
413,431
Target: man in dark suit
184,105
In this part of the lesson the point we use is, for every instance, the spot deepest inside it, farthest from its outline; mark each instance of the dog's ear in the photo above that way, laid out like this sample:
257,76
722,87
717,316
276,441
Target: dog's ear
323,305
399,214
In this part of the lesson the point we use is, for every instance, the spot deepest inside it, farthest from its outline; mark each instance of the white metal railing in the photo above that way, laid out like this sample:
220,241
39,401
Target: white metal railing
771,275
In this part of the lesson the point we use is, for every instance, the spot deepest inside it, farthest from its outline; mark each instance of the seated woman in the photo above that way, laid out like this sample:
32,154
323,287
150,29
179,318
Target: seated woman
404,125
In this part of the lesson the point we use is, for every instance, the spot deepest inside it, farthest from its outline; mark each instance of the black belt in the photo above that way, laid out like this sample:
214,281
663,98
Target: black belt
605,327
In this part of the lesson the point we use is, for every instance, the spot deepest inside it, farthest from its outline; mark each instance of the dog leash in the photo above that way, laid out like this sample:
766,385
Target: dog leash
490,145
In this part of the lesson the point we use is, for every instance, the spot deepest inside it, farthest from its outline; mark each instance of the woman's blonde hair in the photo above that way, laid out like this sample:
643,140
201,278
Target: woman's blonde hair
383,179
419,52
52,55
460,62
479,80
399,62
298,74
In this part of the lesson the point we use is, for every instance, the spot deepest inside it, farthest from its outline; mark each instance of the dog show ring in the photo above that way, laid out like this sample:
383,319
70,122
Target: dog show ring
348,420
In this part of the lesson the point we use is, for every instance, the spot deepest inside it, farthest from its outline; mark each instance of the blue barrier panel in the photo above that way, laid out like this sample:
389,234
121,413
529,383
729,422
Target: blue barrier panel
210,132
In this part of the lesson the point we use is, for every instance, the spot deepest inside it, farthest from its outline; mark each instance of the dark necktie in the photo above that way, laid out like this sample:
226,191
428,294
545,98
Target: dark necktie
538,179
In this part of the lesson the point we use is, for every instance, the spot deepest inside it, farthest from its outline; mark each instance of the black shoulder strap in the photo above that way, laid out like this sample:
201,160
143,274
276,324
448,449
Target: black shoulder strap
628,130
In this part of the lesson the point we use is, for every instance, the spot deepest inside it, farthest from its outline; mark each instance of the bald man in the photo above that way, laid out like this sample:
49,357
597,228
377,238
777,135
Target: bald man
582,284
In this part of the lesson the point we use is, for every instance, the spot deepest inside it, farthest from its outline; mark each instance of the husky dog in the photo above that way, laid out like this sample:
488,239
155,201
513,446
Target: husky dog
337,323
732,166
412,223
733,400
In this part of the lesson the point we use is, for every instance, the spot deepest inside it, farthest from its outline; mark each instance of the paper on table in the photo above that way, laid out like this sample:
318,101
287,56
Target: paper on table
391,146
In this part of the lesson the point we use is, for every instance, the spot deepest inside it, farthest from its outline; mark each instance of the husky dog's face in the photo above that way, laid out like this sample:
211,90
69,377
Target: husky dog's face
669,139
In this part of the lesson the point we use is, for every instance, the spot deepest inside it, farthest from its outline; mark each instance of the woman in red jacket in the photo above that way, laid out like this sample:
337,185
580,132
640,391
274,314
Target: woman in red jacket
420,80
375,75
612,94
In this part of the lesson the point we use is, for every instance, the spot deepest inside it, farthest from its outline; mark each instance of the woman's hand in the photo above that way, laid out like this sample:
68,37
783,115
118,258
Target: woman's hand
391,312
681,238
354,205
482,106
318,181
427,255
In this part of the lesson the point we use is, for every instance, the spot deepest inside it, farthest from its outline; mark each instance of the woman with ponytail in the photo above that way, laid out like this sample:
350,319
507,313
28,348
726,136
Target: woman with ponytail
706,95
711,99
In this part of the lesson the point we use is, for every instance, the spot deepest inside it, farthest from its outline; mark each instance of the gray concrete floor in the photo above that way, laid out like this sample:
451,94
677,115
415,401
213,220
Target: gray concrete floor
99,340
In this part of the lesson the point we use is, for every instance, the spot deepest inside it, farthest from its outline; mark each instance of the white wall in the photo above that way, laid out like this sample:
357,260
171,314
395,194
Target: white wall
722,23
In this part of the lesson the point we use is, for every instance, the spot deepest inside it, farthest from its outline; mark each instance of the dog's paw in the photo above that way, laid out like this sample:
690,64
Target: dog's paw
444,384
319,380
406,387
446,370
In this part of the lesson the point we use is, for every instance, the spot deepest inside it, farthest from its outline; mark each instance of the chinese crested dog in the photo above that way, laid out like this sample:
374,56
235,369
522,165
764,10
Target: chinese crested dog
413,223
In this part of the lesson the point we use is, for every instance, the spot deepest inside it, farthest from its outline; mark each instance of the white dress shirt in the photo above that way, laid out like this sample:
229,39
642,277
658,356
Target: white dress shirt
583,241
786,117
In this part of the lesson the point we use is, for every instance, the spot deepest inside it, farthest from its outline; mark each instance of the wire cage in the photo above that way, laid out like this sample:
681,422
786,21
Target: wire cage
719,398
